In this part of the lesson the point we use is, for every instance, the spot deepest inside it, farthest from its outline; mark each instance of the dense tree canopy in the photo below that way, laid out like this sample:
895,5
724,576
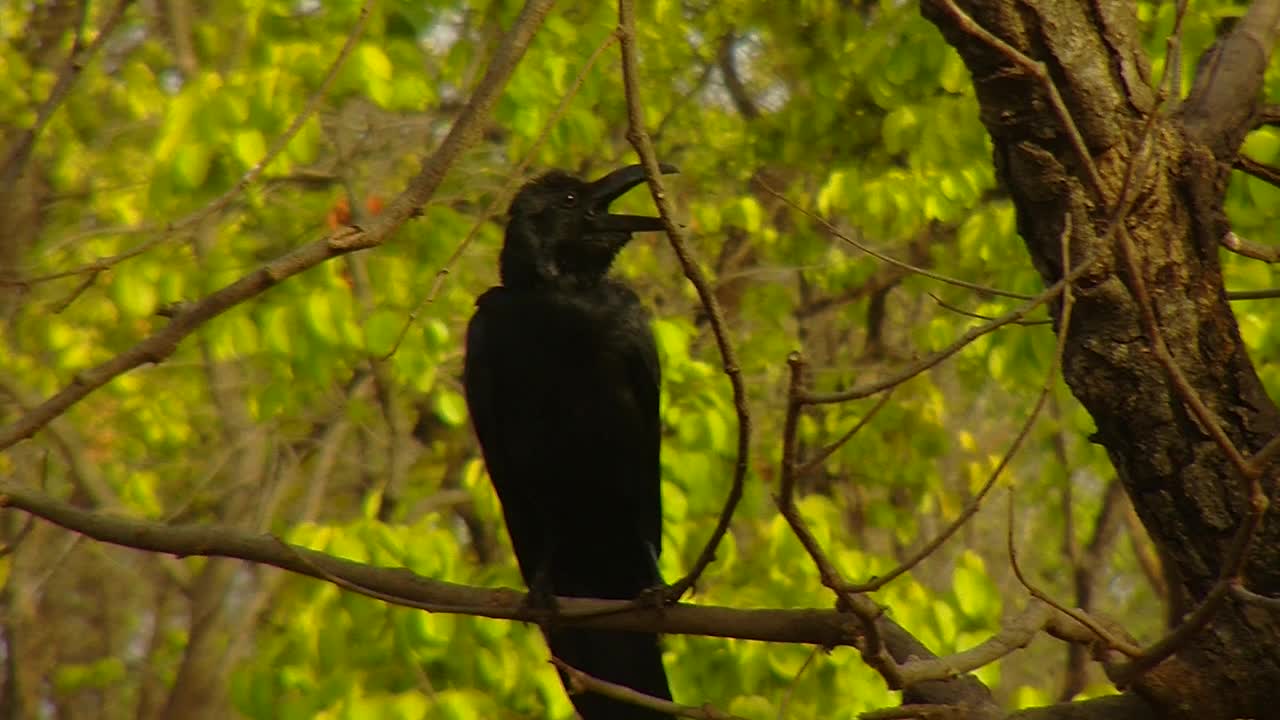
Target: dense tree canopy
241,241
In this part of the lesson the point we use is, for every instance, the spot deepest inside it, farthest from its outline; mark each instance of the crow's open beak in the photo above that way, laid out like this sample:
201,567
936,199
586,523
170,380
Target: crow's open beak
613,186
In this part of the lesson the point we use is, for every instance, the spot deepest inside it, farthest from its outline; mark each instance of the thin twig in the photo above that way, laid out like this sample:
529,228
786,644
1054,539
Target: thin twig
1267,294
795,682
914,269
935,358
495,205
872,648
693,271
975,504
580,681
979,316
1084,619
822,455
1245,595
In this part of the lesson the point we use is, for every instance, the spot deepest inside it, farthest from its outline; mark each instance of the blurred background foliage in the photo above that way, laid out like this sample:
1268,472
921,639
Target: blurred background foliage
306,413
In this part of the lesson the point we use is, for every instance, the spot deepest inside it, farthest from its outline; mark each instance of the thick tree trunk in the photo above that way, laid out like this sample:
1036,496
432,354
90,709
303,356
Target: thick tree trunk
1185,489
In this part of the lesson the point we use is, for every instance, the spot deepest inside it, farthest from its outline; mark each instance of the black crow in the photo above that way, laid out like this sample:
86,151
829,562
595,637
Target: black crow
562,382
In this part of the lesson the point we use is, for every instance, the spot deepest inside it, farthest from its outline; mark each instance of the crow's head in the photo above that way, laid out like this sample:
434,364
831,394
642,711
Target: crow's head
561,231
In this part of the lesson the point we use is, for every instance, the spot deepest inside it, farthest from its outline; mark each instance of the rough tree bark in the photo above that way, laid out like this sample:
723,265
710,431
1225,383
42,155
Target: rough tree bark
1189,494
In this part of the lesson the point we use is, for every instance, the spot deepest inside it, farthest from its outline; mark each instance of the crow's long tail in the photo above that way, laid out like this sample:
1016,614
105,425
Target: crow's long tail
624,658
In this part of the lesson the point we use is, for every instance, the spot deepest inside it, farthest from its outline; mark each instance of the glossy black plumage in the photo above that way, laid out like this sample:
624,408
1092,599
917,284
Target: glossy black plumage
562,382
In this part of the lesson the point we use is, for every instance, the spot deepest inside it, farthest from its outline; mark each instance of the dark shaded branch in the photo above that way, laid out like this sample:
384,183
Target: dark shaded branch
1267,115
1262,171
1113,707
1249,249
930,677
581,681
732,81
1248,596
1223,103
819,627
1267,294
1085,569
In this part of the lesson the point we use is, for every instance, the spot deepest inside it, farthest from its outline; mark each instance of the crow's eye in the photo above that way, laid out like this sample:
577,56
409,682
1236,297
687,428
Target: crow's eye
569,200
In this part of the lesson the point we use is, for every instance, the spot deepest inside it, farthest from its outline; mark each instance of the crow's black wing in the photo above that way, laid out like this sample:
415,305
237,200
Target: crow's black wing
494,399
563,393
643,378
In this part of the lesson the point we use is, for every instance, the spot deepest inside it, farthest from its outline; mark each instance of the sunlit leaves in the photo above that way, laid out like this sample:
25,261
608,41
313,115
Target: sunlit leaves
451,408
976,596
98,674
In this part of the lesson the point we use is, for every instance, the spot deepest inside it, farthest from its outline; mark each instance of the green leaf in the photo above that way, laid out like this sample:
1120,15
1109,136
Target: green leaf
133,294
375,73
1262,145
319,315
249,147
381,330
191,165
832,193
80,676
451,408
954,77
976,596
899,129
436,334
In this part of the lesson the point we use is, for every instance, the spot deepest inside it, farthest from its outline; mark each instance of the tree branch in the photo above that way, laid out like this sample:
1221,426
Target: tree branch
1129,707
581,681
931,677
819,627
1223,103
644,148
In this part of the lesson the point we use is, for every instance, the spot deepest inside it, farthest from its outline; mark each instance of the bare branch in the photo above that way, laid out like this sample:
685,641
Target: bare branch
1267,294
933,359
1249,249
582,681
813,463
495,205
728,65
1241,593
1262,171
979,316
1222,105
1268,115
1013,636
810,626
1103,633
914,269
644,148
1129,706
